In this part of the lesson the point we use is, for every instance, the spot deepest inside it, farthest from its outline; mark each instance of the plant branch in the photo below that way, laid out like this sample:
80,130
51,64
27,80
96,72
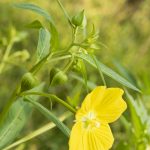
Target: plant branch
54,97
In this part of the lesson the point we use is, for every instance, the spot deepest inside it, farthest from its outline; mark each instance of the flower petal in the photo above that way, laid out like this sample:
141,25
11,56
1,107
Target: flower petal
94,139
90,101
107,103
110,106
75,142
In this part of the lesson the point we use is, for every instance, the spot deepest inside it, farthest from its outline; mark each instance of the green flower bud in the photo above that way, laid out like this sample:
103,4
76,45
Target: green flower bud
57,77
28,82
78,19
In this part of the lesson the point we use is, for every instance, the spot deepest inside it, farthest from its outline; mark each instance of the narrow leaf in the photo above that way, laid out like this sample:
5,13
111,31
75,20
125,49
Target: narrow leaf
36,24
107,71
43,43
32,7
38,132
50,116
136,118
36,9
54,38
15,119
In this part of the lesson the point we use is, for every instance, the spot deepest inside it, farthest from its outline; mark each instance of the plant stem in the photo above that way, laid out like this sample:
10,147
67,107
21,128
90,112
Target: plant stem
38,66
64,11
69,65
51,96
59,58
8,49
99,70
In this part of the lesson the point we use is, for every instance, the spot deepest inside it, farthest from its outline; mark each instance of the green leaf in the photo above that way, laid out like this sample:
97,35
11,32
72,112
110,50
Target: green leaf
36,24
54,37
83,71
125,73
54,34
50,116
15,119
90,85
135,116
107,71
45,128
43,43
35,9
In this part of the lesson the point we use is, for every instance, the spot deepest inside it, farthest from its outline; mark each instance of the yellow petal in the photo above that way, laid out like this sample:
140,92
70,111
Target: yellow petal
90,101
95,139
106,103
111,106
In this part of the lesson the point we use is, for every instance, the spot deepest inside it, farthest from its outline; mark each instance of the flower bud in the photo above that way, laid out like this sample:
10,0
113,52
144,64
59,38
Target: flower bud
28,82
78,19
57,77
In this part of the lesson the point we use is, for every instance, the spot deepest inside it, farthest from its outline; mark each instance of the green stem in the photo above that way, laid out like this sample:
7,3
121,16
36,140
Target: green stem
99,70
59,58
8,49
64,11
74,34
54,97
69,64
8,105
16,92
39,65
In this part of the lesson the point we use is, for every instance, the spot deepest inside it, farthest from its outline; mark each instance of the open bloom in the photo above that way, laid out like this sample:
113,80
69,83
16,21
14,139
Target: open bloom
91,130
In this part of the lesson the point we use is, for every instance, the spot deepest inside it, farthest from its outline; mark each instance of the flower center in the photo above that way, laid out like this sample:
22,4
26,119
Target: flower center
89,121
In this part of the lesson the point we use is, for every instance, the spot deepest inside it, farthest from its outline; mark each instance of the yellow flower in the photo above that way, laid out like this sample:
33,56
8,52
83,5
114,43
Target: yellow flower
91,130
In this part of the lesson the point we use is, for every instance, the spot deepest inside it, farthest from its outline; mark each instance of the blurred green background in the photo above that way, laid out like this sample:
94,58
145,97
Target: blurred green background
124,36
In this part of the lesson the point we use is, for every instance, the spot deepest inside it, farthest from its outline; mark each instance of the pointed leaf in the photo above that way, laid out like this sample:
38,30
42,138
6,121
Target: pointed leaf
46,15
107,71
36,9
50,116
36,24
15,119
43,43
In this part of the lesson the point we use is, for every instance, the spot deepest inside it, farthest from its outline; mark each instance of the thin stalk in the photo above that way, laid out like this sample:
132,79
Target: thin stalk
8,105
59,58
99,70
69,64
7,52
39,65
64,11
74,34
54,97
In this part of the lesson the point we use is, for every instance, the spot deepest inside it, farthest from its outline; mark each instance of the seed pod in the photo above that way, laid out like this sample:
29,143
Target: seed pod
57,77
28,82
77,20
